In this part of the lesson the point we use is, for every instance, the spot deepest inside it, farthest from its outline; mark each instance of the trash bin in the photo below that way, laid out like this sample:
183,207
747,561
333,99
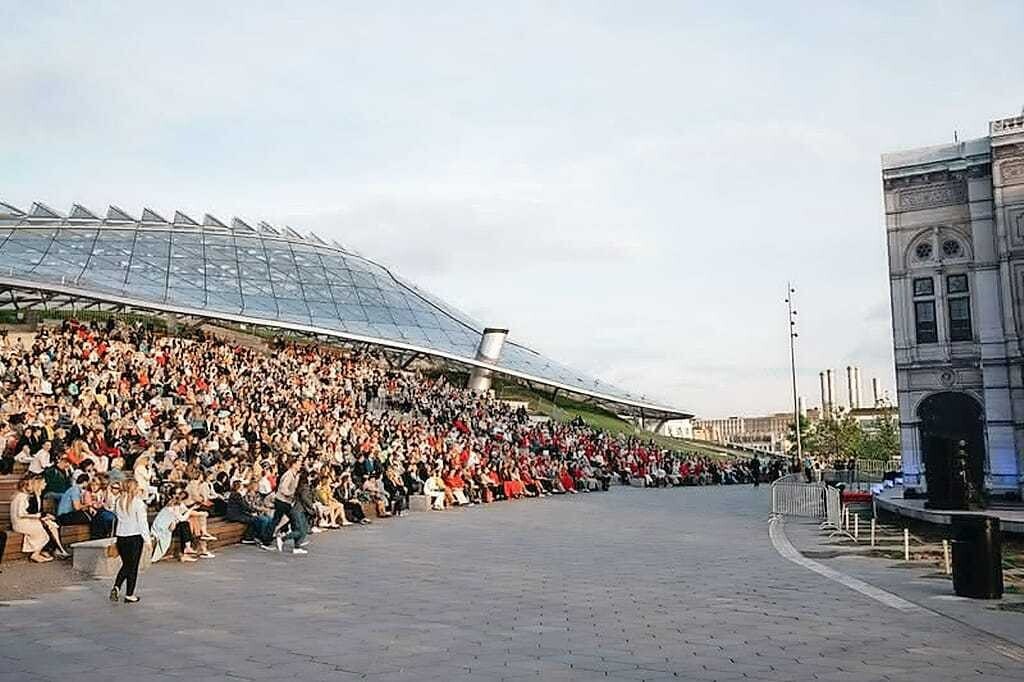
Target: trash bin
977,556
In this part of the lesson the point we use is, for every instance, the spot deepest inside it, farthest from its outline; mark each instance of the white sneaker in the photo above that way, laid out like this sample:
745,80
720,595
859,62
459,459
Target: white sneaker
316,529
299,550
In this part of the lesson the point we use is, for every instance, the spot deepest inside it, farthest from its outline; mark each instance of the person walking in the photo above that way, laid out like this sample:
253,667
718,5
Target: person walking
286,512
132,536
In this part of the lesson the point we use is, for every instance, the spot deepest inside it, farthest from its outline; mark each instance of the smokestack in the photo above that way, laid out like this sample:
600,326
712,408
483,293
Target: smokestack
856,386
800,406
828,379
849,386
824,403
874,389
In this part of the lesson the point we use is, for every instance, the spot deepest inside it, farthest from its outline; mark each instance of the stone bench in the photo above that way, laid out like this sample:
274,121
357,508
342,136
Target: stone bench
99,558
419,503
636,482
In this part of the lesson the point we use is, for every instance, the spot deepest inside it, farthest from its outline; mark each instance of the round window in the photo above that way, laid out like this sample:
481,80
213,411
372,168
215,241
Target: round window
951,248
923,251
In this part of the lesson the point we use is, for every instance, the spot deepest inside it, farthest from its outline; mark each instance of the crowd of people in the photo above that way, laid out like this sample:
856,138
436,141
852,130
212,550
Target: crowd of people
113,422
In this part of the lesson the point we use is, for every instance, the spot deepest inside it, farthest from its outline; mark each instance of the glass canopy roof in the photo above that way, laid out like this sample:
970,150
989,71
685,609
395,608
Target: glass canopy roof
263,275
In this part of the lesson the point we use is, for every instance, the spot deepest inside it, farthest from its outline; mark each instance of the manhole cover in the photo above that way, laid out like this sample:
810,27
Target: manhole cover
821,554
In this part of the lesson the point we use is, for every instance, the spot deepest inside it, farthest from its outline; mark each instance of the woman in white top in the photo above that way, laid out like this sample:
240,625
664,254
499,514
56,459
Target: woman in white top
132,535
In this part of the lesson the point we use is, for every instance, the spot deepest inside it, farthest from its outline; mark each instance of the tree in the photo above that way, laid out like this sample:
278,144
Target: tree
882,442
838,436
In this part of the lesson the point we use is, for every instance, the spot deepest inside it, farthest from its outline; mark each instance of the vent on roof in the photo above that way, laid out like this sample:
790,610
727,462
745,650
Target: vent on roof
210,221
39,210
182,219
116,215
315,237
267,228
9,211
79,212
239,225
151,216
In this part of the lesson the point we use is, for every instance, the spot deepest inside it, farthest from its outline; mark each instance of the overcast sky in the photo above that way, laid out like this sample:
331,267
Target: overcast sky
627,186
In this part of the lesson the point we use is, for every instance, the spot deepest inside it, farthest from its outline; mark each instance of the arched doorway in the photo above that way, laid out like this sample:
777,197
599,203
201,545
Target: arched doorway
946,420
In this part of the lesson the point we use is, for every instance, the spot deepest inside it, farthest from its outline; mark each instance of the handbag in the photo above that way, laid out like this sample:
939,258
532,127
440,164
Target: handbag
112,550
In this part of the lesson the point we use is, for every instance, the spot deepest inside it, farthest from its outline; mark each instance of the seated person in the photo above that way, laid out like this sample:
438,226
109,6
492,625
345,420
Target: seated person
57,478
96,496
347,493
330,511
173,518
434,488
72,509
41,534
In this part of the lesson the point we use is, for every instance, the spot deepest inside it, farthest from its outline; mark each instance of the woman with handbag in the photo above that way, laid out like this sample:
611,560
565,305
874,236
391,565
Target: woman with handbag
132,535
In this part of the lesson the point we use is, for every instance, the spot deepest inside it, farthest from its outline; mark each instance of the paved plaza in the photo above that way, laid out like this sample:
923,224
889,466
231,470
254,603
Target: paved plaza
628,585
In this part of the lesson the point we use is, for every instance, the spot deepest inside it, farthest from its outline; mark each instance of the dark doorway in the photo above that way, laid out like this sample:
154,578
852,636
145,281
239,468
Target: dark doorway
946,420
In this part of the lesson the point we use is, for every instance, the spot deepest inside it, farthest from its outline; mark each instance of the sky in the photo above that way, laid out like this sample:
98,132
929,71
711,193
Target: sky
626,186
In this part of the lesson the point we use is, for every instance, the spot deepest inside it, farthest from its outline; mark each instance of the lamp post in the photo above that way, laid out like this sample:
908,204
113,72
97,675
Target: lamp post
792,368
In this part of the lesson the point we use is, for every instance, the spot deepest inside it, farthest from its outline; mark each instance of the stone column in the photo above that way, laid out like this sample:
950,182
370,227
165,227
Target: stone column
998,231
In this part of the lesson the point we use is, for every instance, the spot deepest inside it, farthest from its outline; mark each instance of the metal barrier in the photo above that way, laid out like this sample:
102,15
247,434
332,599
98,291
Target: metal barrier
792,496
833,509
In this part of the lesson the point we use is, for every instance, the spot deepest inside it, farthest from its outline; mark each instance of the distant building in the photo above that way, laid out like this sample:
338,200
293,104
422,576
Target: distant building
954,218
768,433
677,428
870,418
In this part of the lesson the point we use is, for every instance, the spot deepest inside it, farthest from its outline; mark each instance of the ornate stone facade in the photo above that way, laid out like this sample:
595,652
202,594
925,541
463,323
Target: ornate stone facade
955,227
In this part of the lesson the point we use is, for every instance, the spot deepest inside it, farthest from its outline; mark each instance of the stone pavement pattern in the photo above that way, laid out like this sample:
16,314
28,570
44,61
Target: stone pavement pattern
627,585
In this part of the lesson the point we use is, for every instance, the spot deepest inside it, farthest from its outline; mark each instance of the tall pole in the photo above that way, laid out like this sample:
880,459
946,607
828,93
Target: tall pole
792,367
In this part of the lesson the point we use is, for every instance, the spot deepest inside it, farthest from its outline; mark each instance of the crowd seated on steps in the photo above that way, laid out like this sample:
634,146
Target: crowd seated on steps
300,440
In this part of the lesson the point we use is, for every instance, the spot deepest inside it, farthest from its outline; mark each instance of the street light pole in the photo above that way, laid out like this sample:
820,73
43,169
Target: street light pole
792,367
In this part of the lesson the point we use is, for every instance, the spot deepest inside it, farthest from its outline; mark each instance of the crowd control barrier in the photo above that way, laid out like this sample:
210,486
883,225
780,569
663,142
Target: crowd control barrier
791,495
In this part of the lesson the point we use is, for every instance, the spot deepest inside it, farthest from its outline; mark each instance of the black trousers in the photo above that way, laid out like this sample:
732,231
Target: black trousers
130,549
184,533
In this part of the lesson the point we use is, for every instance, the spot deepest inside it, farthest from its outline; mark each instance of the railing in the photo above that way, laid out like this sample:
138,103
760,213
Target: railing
1006,126
792,496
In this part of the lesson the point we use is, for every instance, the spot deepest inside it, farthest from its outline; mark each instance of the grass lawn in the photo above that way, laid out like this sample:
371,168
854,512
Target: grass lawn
566,409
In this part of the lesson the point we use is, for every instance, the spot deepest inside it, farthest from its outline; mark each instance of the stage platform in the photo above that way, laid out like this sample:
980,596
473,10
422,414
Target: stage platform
1011,520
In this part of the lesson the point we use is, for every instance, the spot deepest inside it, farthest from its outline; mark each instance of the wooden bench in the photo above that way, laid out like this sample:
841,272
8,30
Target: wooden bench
227,532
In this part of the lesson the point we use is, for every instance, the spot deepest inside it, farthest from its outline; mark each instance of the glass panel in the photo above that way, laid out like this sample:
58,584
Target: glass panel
379,314
346,295
352,313
192,297
924,287
960,319
927,331
370,297
259,306
956,284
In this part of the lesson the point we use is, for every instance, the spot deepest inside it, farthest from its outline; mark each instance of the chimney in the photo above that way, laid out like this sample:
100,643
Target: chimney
856,386
849,386
874,389
824,402
828,378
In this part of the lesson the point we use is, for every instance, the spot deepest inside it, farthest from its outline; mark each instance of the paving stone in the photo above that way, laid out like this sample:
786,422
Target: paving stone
628,585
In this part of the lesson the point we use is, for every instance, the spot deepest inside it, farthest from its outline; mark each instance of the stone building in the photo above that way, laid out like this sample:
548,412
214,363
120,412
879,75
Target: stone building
954,217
